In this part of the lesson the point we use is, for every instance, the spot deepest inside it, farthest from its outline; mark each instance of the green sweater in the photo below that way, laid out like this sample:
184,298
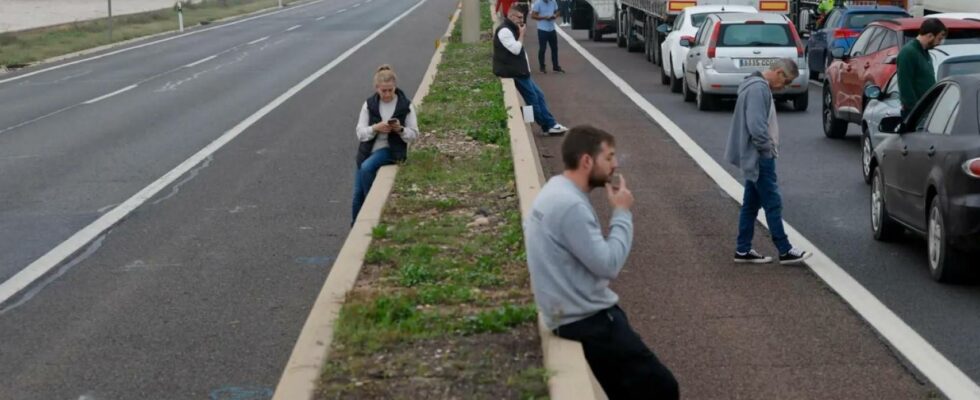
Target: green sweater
915,73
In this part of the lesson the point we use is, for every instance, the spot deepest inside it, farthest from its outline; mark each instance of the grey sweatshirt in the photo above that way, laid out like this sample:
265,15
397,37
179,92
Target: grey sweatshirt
571,263
748,138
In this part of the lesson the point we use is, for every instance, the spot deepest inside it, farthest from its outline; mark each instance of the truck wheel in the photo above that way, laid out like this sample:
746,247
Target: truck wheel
631,45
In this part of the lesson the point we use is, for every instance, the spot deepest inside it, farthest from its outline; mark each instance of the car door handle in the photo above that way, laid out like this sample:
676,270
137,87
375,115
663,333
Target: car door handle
905,150
932,151
867,65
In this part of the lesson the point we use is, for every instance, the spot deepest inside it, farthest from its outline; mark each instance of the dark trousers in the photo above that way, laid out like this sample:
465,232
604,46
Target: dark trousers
365,178
763,193
622,364
545,39
565,8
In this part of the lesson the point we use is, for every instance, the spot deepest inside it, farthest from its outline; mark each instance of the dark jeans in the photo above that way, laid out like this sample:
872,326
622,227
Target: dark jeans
623,365
533,97
763,193
364,178
565,8
545,39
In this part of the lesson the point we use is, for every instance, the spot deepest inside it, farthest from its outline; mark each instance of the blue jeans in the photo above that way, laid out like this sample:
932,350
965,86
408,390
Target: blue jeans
364,178
764,193
545,39
565,8
533,97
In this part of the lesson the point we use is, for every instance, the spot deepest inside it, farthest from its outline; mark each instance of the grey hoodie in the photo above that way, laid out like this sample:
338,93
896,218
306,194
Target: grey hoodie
748,138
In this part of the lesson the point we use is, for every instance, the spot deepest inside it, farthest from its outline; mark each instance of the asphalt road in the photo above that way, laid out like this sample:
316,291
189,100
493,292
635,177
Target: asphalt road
826,199
202,291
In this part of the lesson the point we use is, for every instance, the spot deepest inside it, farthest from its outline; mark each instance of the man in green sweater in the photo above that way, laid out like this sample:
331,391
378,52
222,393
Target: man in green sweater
915,72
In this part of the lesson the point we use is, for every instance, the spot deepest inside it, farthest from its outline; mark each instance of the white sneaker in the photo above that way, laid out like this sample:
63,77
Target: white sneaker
794,256
558,129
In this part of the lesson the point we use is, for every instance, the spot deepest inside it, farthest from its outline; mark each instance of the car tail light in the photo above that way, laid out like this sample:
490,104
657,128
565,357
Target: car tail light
796,37
713,44
844,33
972,167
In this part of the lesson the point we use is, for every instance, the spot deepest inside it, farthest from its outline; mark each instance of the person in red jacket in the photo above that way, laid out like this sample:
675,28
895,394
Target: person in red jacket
503,7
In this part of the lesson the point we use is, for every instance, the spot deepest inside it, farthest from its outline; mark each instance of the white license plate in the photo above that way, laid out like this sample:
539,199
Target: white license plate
756,62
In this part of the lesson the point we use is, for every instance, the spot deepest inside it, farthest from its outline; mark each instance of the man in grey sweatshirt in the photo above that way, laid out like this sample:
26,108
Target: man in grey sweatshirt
571,264
753,146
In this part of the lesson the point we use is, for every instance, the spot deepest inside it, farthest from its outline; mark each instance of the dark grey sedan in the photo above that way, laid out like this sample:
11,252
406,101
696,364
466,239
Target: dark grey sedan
927,177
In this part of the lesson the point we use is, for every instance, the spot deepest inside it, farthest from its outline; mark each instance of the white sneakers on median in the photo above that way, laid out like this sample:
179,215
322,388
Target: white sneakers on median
558,129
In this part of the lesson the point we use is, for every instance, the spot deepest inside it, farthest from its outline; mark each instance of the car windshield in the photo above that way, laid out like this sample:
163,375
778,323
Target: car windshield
964,67
860,20
956,36
755,35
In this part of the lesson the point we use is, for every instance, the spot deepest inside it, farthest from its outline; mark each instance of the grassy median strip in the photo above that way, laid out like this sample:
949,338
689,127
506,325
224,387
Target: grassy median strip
443,308
21,48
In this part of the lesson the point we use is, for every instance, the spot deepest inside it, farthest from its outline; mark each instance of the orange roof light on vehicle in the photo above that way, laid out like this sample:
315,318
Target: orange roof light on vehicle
680,5
774,5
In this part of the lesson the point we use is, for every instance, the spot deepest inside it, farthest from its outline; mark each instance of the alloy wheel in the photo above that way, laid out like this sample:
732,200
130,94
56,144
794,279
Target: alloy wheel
935,237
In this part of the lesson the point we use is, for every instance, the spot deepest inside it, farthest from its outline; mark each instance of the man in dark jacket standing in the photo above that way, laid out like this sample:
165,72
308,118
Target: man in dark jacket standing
753,146
510,61
915,71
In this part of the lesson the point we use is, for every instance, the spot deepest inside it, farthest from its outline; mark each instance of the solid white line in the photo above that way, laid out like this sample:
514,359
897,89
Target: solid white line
946,376
54,257
257,40
156,42
321,18
103,97
201,61
293,27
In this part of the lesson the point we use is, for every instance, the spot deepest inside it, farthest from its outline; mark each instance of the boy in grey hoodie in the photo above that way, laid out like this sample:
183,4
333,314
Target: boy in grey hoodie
753,144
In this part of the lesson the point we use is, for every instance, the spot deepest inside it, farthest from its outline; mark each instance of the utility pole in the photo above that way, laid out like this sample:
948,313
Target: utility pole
180,15
110,20
471,21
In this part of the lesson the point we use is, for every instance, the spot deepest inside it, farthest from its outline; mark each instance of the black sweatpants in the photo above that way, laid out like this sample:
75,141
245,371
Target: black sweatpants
620,361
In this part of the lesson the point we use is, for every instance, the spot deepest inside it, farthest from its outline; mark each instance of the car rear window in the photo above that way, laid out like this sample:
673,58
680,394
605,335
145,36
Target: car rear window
955,36
860,20
697,19
755,35
954,67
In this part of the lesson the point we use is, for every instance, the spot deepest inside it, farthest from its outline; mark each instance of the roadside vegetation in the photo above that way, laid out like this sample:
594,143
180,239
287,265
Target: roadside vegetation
443,308
21,48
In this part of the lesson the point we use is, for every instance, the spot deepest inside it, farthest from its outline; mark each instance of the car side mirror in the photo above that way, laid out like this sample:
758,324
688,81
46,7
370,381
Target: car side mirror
663,28
890,125
872,92
687,41
838,53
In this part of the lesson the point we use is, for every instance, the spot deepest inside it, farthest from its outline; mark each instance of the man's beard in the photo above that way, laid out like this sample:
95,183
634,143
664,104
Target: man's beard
596,181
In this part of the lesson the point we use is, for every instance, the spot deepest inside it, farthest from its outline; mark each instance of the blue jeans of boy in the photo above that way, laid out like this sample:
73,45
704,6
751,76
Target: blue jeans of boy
763,193
533,97
364,178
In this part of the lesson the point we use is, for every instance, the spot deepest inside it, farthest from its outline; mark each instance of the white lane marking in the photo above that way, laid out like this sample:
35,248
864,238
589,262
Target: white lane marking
54,257
321,18
342,10
293,27
257,40
201,61
367,1
112,53
946,376
356,5
106,96
33,120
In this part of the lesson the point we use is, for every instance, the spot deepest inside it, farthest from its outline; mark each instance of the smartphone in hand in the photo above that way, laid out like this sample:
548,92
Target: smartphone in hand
393,121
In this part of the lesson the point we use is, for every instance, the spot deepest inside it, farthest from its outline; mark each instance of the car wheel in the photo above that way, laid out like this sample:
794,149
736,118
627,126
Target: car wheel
882,225
664,76
705,101
866,151
801,101
675,82
596,35
686,90
945,262
832,127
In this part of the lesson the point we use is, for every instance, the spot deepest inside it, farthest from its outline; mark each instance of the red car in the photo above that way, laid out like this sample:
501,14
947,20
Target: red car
872,60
